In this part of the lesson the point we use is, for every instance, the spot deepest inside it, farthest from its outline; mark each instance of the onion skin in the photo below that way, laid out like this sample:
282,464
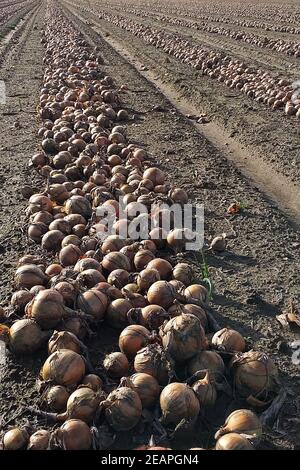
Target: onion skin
75,435
94,303
153,360
26,336
123,409
30,275
241,422
56,398
64,367
132,339
146,387
93,381
183,337
82,404
15,439
178,401
254,374
39,440
229,340
209,360
233,441
47,308
116,365
161,293
206,391
63,340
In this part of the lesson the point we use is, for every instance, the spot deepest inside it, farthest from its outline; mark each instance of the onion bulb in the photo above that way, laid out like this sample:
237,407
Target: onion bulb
56,398
132,339
64,367
254,373
116,364
229,340
82,404
15,439
26,336
233,441
209,360
39,440
75,435
146,387
64,340
47,308
184,273
93,381
161,293
123,409
30,275
241,422
153,360
205,390
178,401
183,337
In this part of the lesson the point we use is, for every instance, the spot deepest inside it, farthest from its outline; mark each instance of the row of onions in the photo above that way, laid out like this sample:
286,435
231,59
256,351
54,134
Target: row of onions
285,46
257,84
170,365
278,18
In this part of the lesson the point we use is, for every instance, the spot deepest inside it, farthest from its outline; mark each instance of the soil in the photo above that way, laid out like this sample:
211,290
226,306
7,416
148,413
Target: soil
257,276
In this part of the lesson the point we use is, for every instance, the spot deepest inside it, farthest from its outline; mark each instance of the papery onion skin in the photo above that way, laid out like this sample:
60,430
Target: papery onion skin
146,387
183,337
230,340
116,364
64,367
178,401
26,336
132,339
56,398
47,308
161,293
82,404
153,360
76,435
123,409
233,441
39,440
94,303
210,360
15,439
242,422
93,381
30,275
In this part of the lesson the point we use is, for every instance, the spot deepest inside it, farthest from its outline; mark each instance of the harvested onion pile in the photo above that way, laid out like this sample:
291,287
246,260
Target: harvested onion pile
95,277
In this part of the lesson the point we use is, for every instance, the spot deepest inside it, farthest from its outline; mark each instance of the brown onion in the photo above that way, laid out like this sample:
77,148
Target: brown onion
15,439
116,315
115,260
233,441
205,390
154,361
26,336
146,386
229,340
209,360
184,273
116,365
39,440
64,367
69,255
94,303
82,404
30,275
196,294
132,339
56,398
161,293
89,278
162,266
47,308
75,435
52,240
93,381
142,258
20,298
241,422
183,337
146,278
63,340
178,401
123,409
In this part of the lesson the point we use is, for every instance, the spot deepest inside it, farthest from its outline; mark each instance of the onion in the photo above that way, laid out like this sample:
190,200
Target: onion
67,291
64,367
15,439
132,339
75,325
179,237
94,303
47,308
115,260
75,435
20,299
183,337
154,361
118,278
142,258
30,275
112,243
146,278
218,244
69,255
82,404
63,340
87,263
205,390
229,340
146,386
116,315
78,205
184,273
178,195
52,240
39,440
56,397
26,336
151,316
241,422
123,409
155,175
36,231
93,381
162,266
254,374
116,364
196,310
178,401
53,270
161,293
196,294
233,441
209,360
89,278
